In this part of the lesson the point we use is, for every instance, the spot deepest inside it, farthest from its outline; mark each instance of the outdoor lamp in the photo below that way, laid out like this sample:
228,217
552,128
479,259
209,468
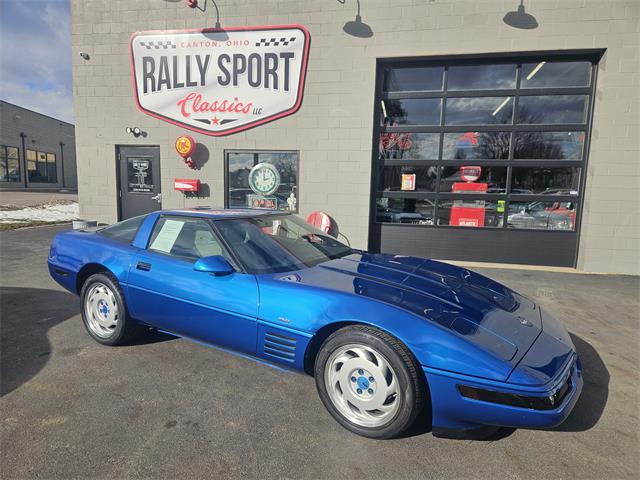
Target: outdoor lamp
357,27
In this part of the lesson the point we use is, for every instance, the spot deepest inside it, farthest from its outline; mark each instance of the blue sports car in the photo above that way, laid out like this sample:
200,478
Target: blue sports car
385,336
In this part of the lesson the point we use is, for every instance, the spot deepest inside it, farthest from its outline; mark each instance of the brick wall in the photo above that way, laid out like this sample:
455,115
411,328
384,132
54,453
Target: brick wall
333,128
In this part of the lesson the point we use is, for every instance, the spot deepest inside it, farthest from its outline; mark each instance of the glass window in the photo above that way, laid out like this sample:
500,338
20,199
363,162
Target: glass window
481,77
410,111
419,211
409,146
542,215
412,79
545,180
188,238
479,110
552,109
555,74
279,243
9,164
124,231
476,145
457,179
52,174
39,169
549,145
408,178
471,213
262,180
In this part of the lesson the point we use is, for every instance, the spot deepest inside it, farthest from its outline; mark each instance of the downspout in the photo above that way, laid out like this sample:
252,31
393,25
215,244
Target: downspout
62,161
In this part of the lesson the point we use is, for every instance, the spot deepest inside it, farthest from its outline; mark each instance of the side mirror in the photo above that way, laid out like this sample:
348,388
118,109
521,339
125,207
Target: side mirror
215,264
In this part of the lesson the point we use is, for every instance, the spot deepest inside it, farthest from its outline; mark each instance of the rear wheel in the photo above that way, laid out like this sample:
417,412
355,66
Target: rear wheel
369,382
104,311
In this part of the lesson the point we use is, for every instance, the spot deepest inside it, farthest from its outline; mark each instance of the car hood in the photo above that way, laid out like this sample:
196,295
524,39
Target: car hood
471,305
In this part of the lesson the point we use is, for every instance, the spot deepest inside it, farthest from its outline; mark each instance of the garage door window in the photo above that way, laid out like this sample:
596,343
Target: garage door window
483,143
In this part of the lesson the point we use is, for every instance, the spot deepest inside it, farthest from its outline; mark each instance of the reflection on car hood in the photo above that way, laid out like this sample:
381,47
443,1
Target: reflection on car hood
476,307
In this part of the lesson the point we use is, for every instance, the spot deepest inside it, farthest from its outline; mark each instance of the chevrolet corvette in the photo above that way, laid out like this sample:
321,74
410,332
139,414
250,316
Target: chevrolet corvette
385,336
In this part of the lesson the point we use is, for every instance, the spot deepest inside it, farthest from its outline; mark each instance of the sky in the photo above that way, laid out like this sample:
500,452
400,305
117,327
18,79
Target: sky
35,56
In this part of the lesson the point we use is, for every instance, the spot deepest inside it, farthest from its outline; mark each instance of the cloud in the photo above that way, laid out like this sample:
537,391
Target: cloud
35,56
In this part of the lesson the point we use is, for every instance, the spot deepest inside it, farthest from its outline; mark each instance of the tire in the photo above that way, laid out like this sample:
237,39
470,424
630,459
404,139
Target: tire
369,381
104,311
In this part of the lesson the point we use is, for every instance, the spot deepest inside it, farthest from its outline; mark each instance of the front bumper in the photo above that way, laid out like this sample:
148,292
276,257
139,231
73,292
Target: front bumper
453,411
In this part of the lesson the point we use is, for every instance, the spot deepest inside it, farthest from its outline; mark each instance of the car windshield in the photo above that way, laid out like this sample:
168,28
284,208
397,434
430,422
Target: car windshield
279,243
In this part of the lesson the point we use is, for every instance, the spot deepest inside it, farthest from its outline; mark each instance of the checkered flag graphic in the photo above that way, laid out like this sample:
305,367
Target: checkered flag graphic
267,42
158,45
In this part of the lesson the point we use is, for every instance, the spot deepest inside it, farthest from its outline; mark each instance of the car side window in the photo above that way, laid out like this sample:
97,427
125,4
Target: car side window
124,231
186,238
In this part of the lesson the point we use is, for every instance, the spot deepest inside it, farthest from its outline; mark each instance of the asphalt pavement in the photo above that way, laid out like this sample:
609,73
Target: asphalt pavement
170,408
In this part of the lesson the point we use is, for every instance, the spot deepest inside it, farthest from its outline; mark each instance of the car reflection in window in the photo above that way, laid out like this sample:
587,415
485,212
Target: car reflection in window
542,215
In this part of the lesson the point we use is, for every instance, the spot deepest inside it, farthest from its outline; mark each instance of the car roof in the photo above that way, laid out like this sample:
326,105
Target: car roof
219,213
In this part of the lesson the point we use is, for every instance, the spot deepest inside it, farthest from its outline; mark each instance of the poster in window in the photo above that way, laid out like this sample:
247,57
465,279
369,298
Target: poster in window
408,182
261,201
139,173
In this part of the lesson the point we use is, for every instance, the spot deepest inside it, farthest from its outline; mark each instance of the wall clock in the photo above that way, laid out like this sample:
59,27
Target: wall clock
264,179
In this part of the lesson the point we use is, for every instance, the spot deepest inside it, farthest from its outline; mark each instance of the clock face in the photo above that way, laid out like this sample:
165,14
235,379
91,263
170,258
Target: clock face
264,179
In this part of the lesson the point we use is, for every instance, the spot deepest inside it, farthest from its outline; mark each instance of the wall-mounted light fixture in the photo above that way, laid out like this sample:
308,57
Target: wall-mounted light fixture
135,131
84,55
520,19
357,28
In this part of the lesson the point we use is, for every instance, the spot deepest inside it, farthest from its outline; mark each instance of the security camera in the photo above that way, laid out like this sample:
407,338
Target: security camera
84,55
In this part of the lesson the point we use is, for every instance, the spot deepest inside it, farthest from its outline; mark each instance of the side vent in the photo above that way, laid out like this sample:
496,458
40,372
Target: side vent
279,346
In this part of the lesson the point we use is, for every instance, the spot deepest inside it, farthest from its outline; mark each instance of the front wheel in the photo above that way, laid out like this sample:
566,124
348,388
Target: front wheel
369,382
104,312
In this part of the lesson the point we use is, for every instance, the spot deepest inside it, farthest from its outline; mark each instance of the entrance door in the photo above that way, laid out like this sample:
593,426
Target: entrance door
138,180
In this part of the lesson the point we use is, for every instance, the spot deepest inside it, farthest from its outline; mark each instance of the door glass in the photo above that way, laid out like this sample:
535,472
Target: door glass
552,109
476,145
545,180
410,111
139,175
549,145
408,178
481,77
555,74
479,110
409,146
542,215
407,79
417,211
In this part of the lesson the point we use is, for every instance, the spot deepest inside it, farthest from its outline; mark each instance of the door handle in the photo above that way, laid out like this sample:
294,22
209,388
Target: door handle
157,198
144,266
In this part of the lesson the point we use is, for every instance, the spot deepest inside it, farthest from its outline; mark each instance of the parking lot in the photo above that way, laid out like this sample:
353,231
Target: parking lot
169,408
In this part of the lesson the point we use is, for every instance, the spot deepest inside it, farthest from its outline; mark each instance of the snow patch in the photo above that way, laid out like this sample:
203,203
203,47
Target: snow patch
43,213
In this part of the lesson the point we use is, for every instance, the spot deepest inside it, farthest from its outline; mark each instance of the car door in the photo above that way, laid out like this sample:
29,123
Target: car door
166,292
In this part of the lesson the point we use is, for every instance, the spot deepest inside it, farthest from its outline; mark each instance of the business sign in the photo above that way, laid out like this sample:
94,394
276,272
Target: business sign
220,82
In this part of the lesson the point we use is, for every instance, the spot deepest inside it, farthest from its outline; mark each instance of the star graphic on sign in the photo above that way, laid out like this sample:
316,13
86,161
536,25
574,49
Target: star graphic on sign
216,121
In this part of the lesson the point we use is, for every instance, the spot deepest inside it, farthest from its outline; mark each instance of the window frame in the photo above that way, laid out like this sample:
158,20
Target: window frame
237,266
227,152
6,168
591,56
37,161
